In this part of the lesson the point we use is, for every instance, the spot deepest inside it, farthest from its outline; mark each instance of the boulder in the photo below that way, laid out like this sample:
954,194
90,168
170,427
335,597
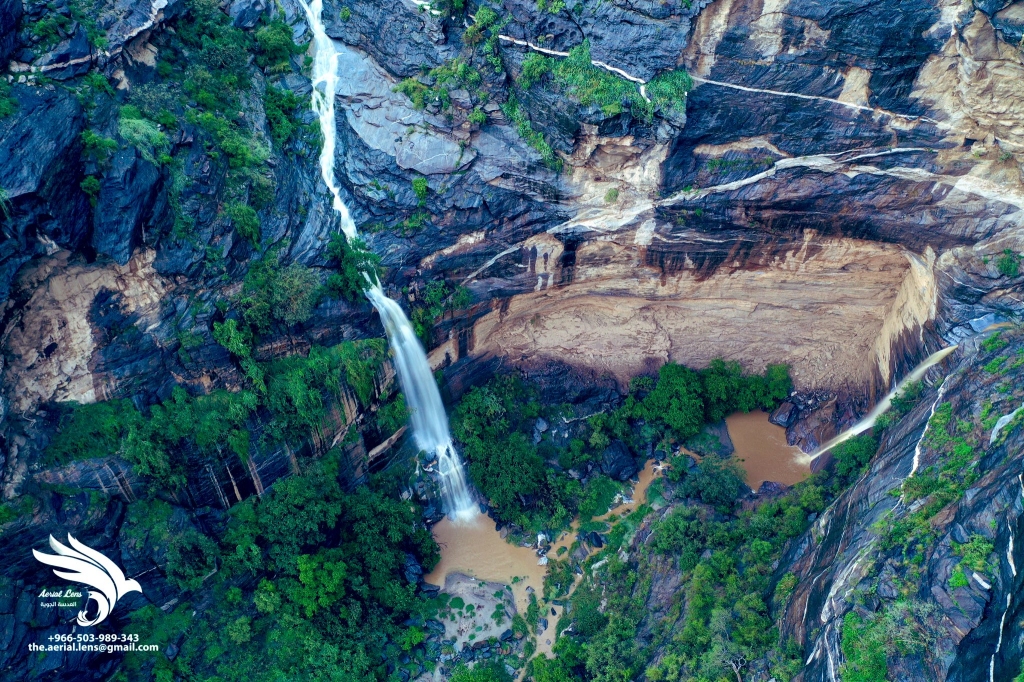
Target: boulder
784,415
246,13
617,462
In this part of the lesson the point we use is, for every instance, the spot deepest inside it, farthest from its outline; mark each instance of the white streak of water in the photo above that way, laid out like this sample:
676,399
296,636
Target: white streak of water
1003,421
917,448
885,403
325,83
427,414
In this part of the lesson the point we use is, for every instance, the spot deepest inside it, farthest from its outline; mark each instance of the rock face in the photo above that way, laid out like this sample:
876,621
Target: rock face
846,556
836,196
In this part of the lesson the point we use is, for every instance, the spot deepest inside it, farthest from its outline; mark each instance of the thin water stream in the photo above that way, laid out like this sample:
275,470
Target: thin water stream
885,403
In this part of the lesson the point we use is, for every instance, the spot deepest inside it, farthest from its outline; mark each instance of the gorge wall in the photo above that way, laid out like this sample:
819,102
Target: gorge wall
836,193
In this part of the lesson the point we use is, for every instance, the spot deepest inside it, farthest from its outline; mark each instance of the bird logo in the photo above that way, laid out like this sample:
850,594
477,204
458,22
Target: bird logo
87,566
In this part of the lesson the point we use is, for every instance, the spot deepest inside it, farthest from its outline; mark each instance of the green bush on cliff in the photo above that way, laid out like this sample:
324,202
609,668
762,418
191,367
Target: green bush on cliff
1008,264
275,45
280,106
94,430
352,263
592,85
853,455
190,559
247,223
8,104
668,90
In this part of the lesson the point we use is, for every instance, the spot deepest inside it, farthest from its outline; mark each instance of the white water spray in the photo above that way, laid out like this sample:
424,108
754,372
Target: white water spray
429,420
885,403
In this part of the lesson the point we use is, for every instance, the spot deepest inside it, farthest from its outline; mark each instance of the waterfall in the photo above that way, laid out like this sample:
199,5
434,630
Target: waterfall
885,403
429,420
324,77
920,441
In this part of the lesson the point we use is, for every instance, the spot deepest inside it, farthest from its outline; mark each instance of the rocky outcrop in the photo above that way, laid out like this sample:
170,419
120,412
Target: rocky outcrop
10,14
846,562
40,173
124,204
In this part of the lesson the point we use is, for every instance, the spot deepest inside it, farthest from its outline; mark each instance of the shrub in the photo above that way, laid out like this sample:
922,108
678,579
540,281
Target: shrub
1008,264
191,557
668,90
535,67
350,261
420,187
97,147
715,482
94,430
296,292
611,196
676,400
247,223
275,45
853,455
91,186
8,104
280,106
145,136
477,117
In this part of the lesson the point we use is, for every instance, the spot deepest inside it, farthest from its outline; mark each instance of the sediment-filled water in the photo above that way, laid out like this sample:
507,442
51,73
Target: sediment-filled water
762,451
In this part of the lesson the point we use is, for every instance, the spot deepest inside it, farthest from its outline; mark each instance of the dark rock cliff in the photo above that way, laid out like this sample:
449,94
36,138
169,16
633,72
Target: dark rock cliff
836,196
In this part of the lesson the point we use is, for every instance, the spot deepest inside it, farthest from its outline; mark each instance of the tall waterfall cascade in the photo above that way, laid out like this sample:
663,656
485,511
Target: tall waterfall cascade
427,414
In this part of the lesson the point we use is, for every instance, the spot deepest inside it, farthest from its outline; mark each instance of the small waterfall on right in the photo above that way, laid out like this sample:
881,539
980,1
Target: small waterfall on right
885,403
427,413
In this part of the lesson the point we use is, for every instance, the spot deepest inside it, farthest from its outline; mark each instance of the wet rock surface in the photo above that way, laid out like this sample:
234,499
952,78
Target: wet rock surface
836,197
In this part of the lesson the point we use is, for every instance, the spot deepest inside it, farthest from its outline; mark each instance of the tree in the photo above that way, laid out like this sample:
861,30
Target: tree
351,262
676,400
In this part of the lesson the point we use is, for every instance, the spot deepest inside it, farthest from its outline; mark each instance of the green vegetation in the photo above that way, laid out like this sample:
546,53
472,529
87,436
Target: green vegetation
275,46
1008,264
901,404
294,392
96,147
350,262
533,138
91,186
591,85
420,188
436,299
144,135
434,87
247,223
8,104
870,638
309,585
611,196
271,293
281,106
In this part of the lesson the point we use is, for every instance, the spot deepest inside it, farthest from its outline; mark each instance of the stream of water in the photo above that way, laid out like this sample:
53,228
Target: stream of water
885,403
427,414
